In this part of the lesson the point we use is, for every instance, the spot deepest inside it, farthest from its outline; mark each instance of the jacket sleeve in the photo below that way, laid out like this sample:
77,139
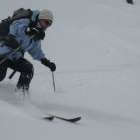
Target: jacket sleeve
17,28
36,51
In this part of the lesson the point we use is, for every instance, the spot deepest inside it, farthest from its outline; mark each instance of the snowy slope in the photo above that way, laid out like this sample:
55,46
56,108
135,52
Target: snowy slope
95,44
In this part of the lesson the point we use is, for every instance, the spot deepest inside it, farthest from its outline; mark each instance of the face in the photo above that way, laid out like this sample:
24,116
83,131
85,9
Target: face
45,23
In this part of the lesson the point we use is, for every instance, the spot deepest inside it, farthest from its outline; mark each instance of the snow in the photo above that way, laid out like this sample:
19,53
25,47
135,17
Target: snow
95,44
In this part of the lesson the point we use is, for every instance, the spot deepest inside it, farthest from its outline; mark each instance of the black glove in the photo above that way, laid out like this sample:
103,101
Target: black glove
36,32
49,64
11,42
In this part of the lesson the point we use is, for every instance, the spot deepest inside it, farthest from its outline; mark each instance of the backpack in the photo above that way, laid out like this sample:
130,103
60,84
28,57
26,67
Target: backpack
18,14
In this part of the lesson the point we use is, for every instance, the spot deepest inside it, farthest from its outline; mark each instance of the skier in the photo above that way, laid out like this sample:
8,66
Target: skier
25,36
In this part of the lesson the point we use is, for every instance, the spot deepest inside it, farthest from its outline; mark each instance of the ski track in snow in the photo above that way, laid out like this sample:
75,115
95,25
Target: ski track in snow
38,110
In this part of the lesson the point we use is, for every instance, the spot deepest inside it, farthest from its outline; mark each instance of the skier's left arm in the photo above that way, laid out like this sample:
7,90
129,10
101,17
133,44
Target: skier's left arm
37,53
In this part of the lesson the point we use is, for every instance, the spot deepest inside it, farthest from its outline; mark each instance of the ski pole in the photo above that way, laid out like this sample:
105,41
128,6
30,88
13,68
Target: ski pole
12,74
53,81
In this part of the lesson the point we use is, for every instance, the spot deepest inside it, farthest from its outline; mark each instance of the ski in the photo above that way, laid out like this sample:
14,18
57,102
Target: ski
49,118
27,103
71,120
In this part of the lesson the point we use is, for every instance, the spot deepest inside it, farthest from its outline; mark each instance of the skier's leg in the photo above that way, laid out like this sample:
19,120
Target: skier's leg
3,70
26,69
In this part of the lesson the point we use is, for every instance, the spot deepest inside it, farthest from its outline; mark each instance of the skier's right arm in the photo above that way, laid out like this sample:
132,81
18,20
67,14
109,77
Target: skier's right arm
11,39
17,33
11,42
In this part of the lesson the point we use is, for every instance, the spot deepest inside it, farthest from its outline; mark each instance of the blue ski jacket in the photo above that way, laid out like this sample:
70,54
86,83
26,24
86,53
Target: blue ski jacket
17,28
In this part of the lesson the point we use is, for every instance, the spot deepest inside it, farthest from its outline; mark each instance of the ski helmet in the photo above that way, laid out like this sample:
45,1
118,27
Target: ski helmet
46,14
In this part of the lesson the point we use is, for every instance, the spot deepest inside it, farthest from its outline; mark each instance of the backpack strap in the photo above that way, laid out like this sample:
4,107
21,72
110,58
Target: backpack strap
4,27
34,18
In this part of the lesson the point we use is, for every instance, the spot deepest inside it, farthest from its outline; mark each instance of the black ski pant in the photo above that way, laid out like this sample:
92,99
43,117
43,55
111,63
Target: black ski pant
23,66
